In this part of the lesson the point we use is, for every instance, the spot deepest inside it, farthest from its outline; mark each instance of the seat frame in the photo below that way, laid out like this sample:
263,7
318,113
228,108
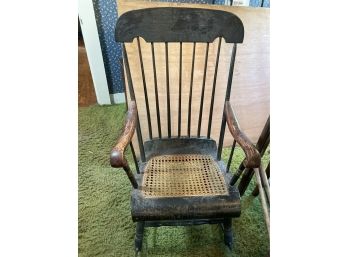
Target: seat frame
172,24
228,205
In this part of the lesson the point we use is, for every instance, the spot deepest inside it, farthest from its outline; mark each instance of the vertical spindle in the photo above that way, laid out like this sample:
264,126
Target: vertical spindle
130,176
132,96
203,91
191,87
231,156
124,82
213,90
227,98
180,88
145,89
156,91
134,157
168,92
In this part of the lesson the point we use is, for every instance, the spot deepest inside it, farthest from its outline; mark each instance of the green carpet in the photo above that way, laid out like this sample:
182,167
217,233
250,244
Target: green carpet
105,224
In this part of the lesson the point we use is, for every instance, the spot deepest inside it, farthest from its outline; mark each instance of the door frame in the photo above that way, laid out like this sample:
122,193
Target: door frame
94,53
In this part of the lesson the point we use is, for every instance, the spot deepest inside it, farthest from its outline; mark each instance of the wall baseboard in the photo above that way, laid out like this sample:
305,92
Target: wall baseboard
117,98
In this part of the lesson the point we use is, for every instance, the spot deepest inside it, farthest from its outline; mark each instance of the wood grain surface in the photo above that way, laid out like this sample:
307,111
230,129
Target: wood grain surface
250,86
252,156
86,91
117,157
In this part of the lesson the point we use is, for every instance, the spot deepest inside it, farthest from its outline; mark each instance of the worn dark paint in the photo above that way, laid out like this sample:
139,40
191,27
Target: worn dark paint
168,93
128,73
139,233
203,91
191,86
231,155
185,207
180,89
158,115
227,98
213,89
158,223
134,157
227,227
183,145
173,24
182,25
145,89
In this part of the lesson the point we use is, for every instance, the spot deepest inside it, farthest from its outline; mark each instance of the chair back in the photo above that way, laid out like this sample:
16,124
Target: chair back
175,93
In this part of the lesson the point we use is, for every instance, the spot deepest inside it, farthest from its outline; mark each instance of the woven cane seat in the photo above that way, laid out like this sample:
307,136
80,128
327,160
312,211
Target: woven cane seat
183,175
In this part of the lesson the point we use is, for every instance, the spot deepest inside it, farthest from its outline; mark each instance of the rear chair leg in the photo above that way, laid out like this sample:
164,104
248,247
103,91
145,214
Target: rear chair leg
228,233
138,241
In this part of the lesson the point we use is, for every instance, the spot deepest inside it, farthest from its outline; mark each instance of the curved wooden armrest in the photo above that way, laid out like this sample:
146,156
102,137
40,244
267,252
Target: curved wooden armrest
253,157
117,158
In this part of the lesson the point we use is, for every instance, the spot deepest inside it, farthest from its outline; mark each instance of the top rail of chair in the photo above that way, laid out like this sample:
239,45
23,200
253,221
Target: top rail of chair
175,24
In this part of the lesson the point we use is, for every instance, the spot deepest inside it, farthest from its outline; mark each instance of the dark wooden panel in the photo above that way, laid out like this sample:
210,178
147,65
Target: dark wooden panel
158,223
181,145
179,25
181,208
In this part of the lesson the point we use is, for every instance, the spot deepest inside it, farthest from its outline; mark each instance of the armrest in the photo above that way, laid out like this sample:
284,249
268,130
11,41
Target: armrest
253,157
117,158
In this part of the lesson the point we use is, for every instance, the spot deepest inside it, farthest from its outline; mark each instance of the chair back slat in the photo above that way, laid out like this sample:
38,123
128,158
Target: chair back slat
128,74
158,114
230,74
231,156
140,140
213,90
227,98
134,158
203,91
123,79
169,124
191,86
180,91
145,89
132,96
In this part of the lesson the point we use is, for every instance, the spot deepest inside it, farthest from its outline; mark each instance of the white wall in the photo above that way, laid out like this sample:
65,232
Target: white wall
94,53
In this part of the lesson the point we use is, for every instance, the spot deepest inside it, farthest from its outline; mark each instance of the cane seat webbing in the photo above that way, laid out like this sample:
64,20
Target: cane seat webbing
183,175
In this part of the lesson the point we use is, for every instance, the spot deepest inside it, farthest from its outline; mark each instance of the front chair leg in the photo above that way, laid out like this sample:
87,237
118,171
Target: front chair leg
228,232
138,241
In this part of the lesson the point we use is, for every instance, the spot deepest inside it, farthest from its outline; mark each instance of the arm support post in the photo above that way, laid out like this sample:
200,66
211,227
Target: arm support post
253,158
117,157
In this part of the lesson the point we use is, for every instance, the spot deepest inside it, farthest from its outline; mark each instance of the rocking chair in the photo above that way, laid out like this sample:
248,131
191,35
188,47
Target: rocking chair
180,179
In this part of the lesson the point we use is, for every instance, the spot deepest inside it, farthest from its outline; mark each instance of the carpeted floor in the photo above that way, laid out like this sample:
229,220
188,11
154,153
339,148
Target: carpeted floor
105,225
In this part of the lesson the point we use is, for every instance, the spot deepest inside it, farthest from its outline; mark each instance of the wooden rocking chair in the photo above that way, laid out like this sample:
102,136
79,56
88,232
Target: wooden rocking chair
180,179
